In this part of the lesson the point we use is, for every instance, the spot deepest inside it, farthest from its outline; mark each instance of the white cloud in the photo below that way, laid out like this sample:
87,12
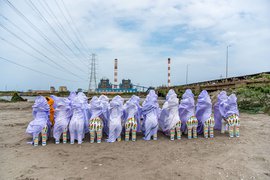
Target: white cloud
143,34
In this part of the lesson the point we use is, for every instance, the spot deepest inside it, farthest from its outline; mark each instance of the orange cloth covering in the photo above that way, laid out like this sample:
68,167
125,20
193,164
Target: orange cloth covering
50,103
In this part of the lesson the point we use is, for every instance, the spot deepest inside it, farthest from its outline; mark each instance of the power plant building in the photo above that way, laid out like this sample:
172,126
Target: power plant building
126,86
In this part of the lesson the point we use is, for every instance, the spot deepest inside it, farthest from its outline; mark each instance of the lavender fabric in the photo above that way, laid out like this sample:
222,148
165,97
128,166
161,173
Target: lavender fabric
55,99
229,107
105,112
150,113
222,96
97,108
203,110
77,126
86,110
186,108
169,115
115,118
72,95
62,116
41,111
132,109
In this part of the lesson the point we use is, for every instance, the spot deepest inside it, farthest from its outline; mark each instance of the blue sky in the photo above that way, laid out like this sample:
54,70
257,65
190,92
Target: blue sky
140,34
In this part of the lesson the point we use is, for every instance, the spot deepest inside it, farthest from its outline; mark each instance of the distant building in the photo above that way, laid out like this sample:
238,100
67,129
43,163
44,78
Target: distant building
104,84
126,84
52,89
63,89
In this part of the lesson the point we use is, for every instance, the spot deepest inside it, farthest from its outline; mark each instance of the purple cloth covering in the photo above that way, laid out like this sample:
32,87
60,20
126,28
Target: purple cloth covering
150,112
169,115
186,108
229,107
79,122
115,118
86,110
203,110
105,112
41,112
98,108
133,109
222,96
72,95
62,116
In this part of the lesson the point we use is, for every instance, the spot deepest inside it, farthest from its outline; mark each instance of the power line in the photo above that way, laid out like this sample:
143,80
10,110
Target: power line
60,25
76,31
58,49
26,67
30,37
43,18
44,55
12,44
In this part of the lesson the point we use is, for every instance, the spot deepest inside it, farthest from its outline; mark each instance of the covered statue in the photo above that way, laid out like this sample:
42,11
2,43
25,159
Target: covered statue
98,111
41,122
62,114
132,117
150,113
187,114
169,119
80,114
204,115
227,114
115,119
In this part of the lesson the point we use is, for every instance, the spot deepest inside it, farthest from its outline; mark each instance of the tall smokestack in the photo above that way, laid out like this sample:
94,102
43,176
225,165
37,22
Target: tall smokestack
169,72
115,73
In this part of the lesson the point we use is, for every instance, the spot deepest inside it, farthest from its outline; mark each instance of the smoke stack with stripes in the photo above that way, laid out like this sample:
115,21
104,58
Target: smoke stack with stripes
115,73
169,72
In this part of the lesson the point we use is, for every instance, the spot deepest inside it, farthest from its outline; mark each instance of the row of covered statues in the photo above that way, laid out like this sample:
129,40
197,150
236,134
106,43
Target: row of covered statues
73,117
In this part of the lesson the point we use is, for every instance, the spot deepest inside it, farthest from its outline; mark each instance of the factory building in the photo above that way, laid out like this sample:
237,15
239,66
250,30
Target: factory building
126,86
104,84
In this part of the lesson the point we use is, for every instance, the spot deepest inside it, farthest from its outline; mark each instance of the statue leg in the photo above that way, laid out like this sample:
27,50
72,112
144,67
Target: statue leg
205,130
231,130
211,131
189,132
172,133
223,126
155,133
72,136
57,141
44,135
134,131
92,132
35,139
80,137
99,134
65,136
155,137
237,126
195,132
178,130
237,133
92,136
127,131
119,138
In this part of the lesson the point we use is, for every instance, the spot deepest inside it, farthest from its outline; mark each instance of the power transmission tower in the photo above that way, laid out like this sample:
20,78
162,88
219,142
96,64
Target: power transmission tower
93,74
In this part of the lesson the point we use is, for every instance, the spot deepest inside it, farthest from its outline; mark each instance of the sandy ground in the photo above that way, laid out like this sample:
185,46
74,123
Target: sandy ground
247,157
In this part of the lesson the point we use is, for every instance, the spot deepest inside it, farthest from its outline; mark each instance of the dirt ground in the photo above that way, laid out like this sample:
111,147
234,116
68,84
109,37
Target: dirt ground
247,157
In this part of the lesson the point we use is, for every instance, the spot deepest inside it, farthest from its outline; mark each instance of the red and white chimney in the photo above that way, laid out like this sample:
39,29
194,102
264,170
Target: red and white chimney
115,73
169,72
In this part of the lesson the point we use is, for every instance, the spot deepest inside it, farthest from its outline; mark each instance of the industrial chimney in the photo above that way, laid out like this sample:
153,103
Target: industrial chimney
115,73
169,72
